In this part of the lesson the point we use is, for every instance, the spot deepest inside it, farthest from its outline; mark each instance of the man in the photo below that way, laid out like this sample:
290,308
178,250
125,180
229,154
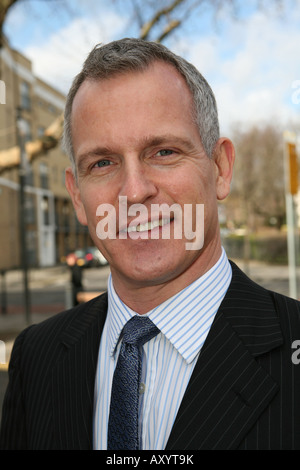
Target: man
141,129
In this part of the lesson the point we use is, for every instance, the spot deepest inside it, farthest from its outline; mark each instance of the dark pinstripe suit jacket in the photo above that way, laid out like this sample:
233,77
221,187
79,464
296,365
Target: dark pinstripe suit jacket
244,392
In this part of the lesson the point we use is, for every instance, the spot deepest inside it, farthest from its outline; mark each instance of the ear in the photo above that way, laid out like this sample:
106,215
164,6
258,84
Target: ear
224,155
74,192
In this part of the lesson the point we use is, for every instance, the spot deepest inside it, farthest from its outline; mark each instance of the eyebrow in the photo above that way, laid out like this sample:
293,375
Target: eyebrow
146,142
153,141
91,154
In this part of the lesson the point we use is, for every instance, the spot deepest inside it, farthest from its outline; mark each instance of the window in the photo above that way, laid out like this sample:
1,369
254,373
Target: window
25,130
30,209
45,211
25,96
44,175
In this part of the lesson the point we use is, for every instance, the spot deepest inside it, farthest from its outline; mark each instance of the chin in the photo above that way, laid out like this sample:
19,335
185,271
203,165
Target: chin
153,271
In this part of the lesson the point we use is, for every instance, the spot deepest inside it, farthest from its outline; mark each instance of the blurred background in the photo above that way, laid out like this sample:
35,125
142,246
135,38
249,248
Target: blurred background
248,52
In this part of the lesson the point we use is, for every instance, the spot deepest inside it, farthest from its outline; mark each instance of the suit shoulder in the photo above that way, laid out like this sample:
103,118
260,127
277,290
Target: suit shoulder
242,283
288,310
48,333
64,319
244,289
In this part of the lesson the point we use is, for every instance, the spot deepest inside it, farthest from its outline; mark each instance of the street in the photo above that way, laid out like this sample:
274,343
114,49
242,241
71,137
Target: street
49,294
48,288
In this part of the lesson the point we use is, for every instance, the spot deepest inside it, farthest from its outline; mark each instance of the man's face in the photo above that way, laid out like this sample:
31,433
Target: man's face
134,137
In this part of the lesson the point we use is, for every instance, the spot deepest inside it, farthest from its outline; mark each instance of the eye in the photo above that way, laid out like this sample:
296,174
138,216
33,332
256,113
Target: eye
164,153
102,163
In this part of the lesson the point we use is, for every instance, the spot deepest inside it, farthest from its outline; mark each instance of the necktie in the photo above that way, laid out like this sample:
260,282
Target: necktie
123,433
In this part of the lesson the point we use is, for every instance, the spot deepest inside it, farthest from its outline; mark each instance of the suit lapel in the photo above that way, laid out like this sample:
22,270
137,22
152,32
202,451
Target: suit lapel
73,380
228,389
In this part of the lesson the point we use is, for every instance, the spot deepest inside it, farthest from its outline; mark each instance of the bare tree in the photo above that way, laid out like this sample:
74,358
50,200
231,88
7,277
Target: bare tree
170,23
259,174
157,20
5,5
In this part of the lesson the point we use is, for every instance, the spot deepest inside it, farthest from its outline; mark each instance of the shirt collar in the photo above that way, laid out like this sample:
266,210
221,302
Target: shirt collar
185,318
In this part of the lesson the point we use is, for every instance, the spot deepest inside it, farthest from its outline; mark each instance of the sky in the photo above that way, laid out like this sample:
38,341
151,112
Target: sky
251,60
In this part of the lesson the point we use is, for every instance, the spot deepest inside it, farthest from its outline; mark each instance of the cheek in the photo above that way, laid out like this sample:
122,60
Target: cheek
101,215
90,205
196,188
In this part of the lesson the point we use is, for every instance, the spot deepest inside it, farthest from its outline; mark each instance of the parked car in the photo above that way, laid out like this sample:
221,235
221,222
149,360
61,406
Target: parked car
89,257
95,257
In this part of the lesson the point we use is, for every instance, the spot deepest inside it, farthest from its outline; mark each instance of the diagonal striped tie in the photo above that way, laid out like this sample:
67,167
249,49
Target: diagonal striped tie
123,432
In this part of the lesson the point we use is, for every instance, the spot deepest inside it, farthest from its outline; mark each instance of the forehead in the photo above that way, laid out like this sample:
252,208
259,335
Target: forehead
124,109
158,76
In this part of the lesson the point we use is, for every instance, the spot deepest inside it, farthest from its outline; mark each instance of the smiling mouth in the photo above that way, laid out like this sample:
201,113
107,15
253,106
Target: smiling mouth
146,227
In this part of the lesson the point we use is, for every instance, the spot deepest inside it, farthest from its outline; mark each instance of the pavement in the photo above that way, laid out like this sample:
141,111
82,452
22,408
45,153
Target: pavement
58,278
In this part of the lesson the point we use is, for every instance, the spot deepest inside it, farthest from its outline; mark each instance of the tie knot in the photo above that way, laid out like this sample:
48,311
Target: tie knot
138,330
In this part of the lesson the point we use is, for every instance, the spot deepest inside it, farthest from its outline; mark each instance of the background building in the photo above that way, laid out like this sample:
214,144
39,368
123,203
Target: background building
52,229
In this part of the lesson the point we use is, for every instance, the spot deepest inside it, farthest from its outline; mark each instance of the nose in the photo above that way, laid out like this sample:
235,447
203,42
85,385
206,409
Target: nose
138,184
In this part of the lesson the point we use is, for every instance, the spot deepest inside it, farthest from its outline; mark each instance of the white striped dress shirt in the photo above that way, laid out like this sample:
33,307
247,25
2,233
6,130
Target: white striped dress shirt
184,321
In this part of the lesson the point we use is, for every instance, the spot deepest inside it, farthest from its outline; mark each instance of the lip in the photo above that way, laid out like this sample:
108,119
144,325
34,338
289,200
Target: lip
143,229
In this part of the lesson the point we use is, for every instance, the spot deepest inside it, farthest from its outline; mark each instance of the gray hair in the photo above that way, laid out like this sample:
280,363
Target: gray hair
131,54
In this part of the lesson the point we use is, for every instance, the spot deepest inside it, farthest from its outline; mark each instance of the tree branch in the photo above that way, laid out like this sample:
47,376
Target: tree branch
156,18
4,7
168,29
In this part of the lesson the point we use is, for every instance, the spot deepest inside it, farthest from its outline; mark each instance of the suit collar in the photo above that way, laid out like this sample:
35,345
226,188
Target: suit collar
91,314
193,306
251,311
228,389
